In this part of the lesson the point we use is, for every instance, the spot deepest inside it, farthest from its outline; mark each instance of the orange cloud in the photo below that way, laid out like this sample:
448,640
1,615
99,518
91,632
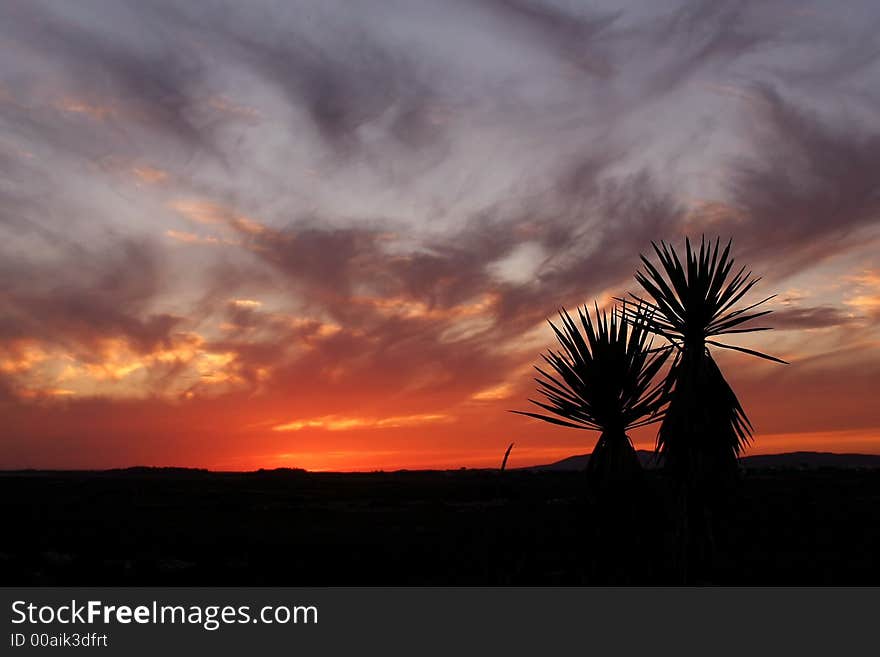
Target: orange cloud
414,309
203,212
866,297
227,106
246,303
81,106
20,356
246,225
192,238
501,391
114,369
150,175
702,213
206,212
42,393
864,302
343,423
315,327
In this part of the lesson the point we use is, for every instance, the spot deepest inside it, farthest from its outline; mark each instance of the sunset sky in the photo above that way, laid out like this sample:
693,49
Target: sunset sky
328,235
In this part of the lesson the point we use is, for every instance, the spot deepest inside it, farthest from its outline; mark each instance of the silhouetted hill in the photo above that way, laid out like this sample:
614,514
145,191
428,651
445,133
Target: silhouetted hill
788,460
577,463
580,461
162,470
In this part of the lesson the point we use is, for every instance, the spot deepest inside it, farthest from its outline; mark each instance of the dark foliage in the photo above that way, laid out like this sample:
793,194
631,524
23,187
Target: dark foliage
690,304
603,380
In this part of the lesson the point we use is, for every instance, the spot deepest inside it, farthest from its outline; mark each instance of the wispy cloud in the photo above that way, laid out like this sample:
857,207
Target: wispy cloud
343,423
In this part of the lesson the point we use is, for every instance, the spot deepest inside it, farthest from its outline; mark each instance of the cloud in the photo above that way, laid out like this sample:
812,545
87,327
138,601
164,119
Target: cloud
810,318
340,423
85,296
111,76
864,296
808,191
501,391
572,35
191,238
150,175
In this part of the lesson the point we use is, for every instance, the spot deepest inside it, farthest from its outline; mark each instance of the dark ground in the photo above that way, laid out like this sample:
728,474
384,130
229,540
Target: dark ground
458,527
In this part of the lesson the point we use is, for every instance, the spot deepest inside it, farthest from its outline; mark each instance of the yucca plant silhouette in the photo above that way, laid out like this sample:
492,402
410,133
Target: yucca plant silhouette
603,380
690,304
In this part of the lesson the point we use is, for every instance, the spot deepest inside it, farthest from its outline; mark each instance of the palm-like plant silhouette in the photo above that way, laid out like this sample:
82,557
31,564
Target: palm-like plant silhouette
705,427
603,380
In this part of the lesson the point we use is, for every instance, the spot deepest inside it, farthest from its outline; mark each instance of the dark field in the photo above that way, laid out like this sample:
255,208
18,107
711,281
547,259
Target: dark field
458,527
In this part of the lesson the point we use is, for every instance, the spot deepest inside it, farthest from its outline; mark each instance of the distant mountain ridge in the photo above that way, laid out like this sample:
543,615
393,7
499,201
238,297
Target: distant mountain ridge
786,460
649,461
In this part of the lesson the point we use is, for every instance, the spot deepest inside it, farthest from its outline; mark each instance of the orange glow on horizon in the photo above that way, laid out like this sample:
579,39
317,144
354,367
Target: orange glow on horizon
526,455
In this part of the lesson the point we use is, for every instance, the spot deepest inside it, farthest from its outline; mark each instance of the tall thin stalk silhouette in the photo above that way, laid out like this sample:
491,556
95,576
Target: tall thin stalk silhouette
603,380
506,456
